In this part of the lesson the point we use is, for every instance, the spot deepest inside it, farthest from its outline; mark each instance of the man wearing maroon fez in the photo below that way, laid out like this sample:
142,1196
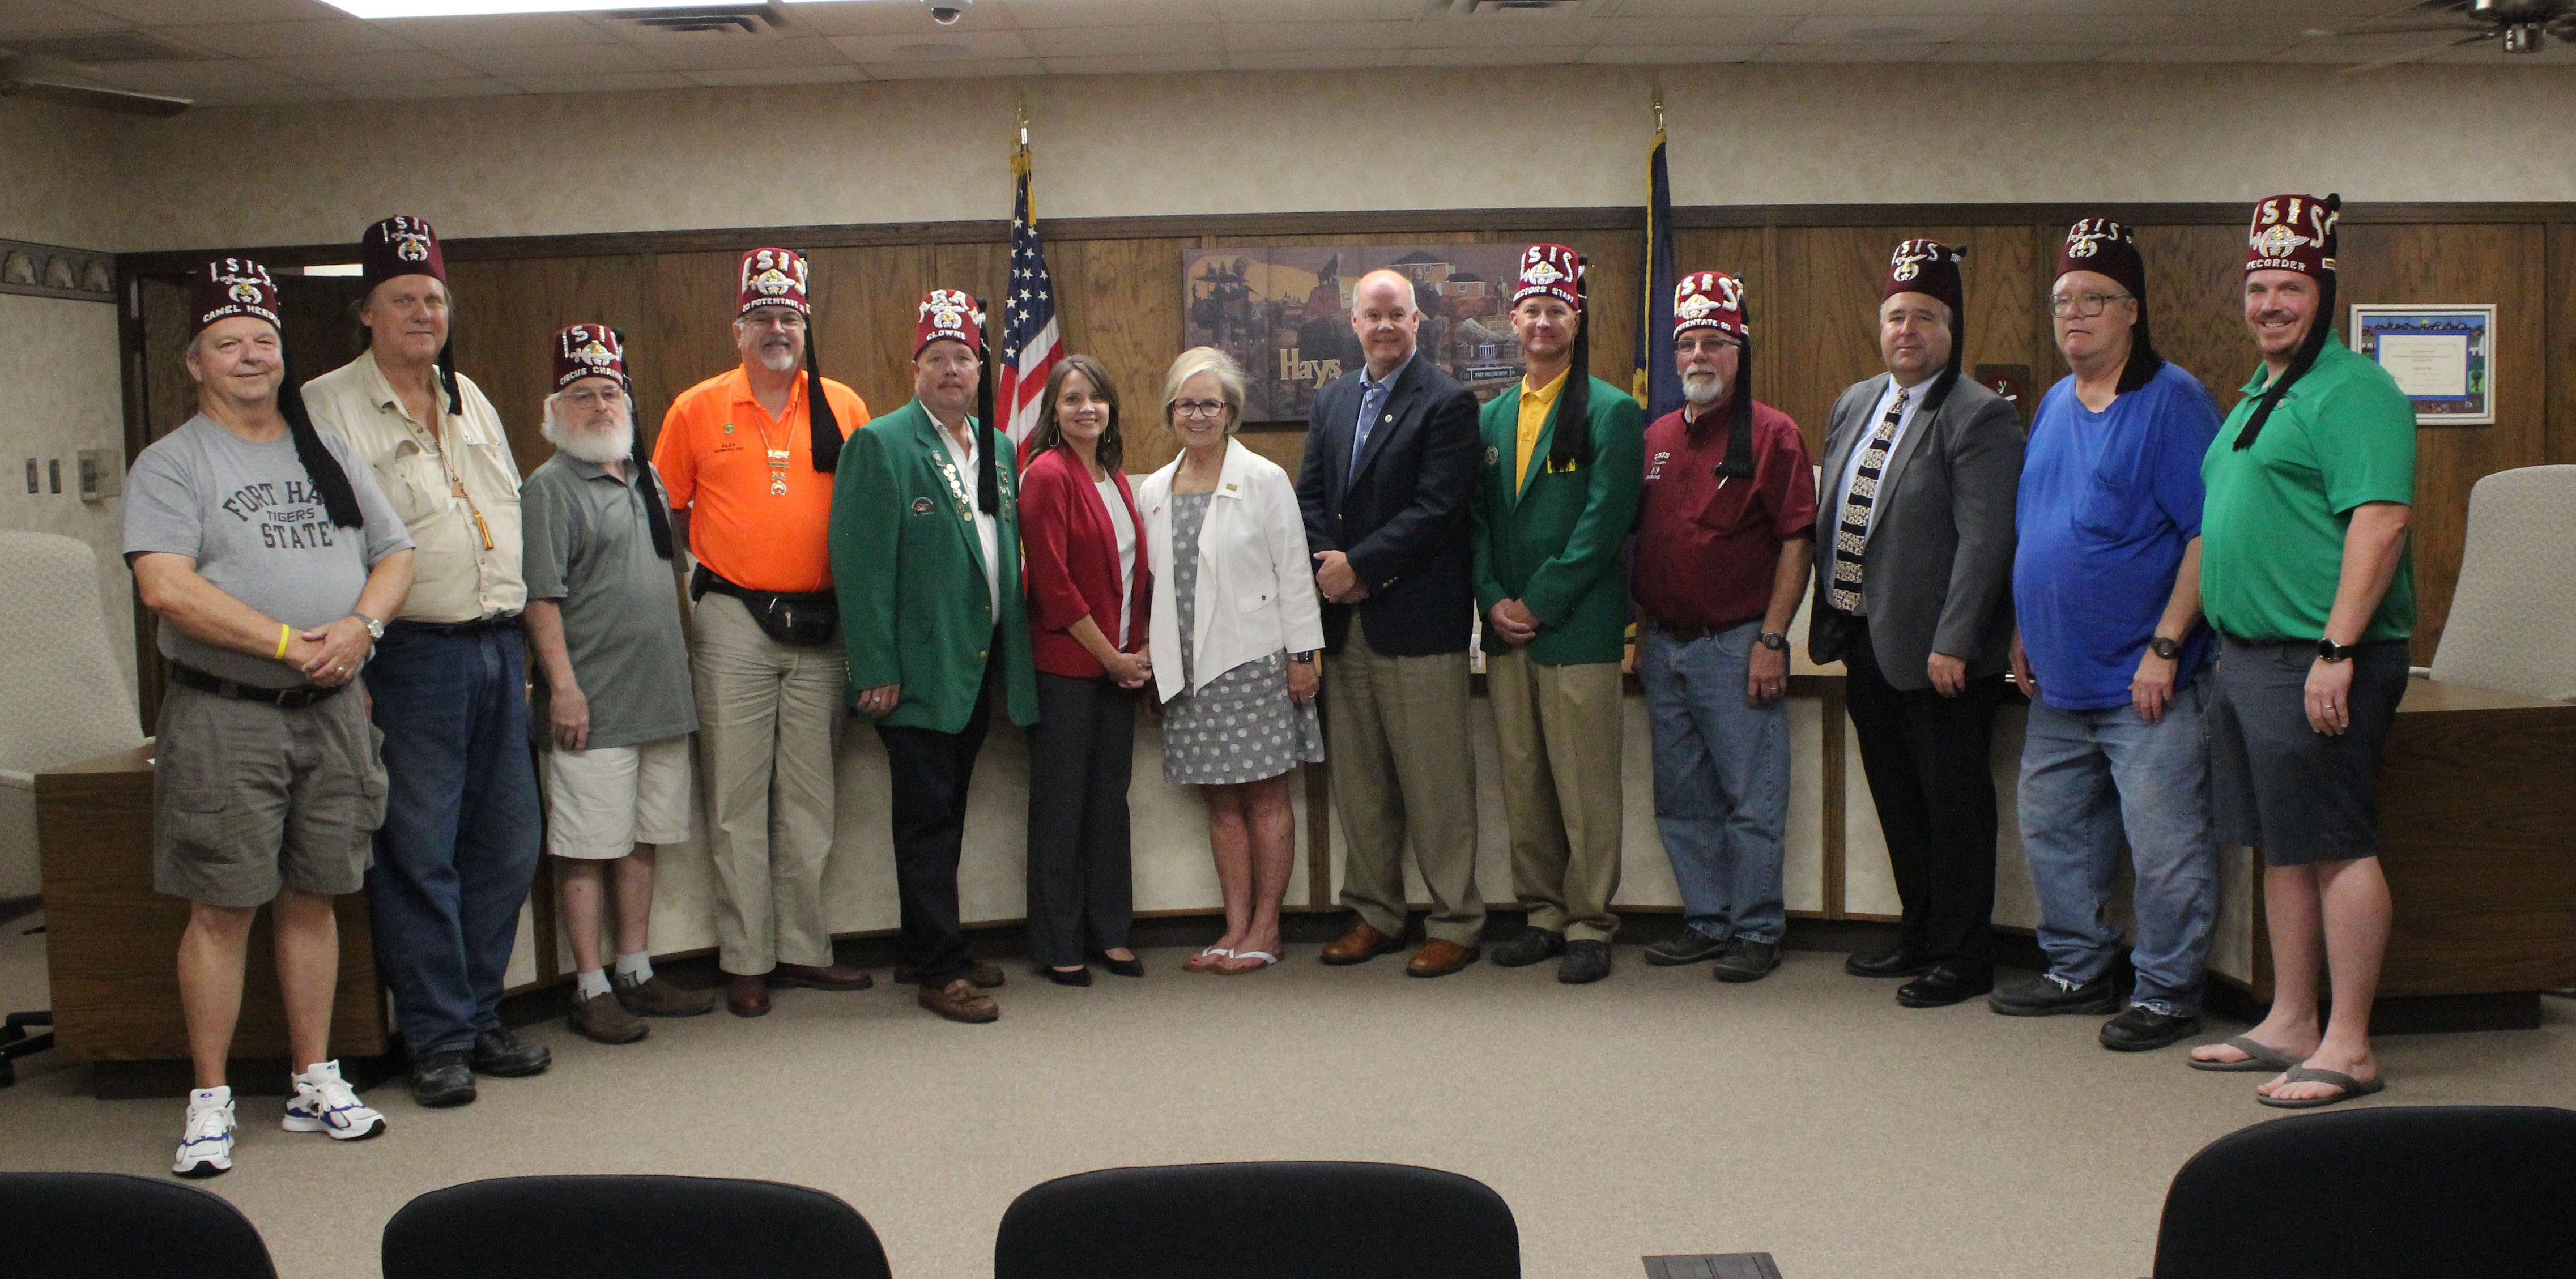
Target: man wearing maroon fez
746,459
1725,541
459,846
1914,550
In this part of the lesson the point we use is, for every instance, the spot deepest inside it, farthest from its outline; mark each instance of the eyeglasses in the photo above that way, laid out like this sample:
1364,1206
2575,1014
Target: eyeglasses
608,398
1198,408
2082,306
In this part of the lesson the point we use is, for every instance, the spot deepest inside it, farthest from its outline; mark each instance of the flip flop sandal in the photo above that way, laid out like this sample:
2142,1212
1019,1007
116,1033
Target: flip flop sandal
2258,1057
2319,1075
1212,955
1266,958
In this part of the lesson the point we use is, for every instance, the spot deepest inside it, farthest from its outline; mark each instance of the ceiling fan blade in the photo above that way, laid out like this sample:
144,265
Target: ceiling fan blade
2412,54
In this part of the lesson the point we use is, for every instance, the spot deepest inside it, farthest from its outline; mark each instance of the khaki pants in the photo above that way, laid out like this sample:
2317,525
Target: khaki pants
1559,730
769,729
1403,768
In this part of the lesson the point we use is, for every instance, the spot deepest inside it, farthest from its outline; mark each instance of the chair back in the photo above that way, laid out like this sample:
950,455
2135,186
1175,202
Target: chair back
1259,1221
2387,1192
630,1227
2512,624
106,1225
64,696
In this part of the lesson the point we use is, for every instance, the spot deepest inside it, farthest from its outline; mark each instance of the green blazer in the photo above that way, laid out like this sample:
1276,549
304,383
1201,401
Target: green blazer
915,608
1554,544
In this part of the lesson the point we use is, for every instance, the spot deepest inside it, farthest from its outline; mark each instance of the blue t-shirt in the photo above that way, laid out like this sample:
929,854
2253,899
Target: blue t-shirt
2108,502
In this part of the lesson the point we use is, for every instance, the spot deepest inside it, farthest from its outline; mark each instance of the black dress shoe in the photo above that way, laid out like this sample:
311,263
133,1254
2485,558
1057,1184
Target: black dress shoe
444,1079
1899,962
506,1054
1123,967
1943,986
1061,977
2144,1029
2049,995
1532,945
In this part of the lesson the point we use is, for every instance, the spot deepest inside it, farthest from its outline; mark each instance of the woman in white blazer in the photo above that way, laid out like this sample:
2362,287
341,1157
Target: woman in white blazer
1235,634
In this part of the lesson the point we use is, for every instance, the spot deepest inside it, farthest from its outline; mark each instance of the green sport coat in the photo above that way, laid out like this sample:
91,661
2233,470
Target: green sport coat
1554,544
915,609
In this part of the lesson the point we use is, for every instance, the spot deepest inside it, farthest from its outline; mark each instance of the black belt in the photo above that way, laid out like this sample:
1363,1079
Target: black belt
498,621
293,699
703,579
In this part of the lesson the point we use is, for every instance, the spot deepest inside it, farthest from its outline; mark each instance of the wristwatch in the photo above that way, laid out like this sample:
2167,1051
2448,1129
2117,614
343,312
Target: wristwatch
1773,640
1306,658
375,629
2165,648
2328,650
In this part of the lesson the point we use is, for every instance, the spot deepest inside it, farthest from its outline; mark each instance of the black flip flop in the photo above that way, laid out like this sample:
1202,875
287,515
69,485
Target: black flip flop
2258,1057
2319,1075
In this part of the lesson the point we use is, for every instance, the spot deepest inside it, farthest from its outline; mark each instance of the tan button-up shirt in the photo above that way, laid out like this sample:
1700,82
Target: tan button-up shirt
466,568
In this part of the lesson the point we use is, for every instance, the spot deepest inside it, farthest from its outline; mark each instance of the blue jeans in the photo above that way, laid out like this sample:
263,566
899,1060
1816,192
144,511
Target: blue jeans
462,826
2092,781
1721,780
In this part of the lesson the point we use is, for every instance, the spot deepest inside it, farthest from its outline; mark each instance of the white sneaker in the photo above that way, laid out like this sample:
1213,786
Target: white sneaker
206,1148
322,1103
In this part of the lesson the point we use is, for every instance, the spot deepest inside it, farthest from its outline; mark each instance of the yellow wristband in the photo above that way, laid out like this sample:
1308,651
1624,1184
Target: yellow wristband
284,633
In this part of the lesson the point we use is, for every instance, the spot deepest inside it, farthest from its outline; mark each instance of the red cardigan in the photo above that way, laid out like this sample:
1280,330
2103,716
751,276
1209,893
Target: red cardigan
1072,570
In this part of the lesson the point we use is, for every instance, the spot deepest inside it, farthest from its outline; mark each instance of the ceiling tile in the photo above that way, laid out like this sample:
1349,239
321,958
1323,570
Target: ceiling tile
748,76
1247,37
1970,51
518,30
190,79
371,68
746,55
1695,31
1039,15
1670,54
1135,63
1880,29
289,39
953,43
2030,28
1507,30
1322,10
1719,8
604,82
606,58
1487,56
52,18
471,87
1856,52
1078,42
953,68
888,17
150,13
1312,59
271,95
2190,53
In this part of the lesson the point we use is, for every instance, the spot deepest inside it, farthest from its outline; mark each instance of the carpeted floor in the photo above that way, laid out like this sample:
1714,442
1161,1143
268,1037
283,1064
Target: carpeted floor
1659,1112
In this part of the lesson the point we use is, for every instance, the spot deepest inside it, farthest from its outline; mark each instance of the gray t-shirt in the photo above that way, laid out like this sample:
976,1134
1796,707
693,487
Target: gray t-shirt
588,547
252,520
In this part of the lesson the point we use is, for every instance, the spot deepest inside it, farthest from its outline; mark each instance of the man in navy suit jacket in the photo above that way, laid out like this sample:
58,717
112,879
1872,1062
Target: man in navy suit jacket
1389,472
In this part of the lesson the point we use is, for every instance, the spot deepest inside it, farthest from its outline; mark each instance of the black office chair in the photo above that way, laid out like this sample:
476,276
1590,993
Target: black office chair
2389,1192
106,1225
630,1227
1259,1221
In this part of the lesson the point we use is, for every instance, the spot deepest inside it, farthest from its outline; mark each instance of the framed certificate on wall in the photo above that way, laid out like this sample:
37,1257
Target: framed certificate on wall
2443,357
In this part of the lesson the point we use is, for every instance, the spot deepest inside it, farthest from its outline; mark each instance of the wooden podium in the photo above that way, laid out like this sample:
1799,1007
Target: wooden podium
112,945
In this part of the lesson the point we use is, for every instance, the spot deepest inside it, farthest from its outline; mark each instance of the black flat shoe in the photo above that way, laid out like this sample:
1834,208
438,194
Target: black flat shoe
1061,977
1123,967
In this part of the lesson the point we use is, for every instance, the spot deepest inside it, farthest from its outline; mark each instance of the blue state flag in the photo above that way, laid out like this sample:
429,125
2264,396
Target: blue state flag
1658,389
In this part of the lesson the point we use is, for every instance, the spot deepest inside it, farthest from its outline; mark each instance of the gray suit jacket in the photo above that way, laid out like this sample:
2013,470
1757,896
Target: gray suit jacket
1937,577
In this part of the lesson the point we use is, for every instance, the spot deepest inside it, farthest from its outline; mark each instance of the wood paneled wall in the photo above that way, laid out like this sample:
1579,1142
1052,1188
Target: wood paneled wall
1813,278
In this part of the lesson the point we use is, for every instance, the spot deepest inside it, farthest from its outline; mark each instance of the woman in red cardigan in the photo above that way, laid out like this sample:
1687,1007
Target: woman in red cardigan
1089,592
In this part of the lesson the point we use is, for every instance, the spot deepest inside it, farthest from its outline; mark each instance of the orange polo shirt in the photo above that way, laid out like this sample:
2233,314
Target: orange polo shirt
713,459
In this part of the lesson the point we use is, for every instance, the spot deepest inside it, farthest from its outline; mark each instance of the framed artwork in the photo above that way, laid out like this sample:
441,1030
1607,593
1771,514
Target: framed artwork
2443,357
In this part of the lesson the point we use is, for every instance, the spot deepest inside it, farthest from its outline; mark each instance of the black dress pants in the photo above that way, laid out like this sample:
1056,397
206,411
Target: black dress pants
929,770
1081,884
1926,759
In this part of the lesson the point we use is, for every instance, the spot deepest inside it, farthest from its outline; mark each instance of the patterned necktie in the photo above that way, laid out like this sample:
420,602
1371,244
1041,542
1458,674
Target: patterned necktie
1851,535
1372,397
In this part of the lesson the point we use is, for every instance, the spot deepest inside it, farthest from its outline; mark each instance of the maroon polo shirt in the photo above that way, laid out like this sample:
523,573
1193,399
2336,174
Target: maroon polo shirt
1707,545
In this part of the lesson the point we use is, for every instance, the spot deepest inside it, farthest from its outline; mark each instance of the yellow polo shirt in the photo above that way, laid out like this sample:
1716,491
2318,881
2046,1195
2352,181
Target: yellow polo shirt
1535,406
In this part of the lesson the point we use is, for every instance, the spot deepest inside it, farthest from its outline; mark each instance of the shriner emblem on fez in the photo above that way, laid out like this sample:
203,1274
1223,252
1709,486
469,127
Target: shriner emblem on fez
948,310
1540,271
245,292
1909,259
2085,238
772,283
592,353
2278,240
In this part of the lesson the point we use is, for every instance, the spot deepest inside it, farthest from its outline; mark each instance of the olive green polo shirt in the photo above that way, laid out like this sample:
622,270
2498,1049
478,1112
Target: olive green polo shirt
589,547
2272,526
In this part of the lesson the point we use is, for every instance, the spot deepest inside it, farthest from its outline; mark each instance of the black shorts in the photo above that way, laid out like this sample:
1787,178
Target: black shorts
2276,783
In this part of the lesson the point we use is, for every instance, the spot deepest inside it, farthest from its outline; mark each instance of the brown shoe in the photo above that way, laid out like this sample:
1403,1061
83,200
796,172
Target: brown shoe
603,1019
657,997
1439,958
960,1001
1360,945
747,996
985,976
827,977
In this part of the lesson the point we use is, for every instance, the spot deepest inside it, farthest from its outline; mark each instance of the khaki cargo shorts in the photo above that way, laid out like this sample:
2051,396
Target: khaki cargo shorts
247,796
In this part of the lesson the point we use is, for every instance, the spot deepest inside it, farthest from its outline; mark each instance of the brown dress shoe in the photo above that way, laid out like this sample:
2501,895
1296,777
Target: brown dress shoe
747,996
960,1001
1439,958
657,997
985,976
602,1019
828,977
1360,945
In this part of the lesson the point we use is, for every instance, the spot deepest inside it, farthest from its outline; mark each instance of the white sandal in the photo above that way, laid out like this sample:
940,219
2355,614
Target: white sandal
1266,958
1212,954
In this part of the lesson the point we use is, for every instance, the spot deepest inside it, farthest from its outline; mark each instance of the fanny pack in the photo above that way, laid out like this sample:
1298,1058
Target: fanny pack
807,620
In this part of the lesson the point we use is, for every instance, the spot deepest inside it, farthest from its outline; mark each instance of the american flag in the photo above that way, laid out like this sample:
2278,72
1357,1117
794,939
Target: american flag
1030,342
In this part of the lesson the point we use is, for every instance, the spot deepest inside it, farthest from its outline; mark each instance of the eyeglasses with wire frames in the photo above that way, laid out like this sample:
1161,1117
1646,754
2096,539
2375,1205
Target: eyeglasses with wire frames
2083,306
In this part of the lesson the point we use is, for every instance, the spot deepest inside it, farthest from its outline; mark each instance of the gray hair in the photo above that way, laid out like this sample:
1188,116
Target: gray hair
1206,359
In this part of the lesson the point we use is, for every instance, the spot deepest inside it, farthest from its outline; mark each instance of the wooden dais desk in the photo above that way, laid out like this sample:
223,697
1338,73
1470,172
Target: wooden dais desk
112,948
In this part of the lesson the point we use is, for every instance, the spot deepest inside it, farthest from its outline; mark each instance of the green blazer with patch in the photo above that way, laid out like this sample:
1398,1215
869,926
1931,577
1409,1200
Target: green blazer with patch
909,569
1554,544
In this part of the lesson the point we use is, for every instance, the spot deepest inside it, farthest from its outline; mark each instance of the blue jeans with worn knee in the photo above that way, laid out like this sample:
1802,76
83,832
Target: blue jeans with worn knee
462,827
2094,782
1721,780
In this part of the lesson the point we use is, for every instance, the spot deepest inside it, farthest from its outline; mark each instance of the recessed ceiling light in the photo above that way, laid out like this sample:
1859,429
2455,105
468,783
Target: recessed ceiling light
483,8
1892,34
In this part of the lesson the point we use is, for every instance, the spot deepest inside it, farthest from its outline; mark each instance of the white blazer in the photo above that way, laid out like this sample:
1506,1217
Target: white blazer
1256,586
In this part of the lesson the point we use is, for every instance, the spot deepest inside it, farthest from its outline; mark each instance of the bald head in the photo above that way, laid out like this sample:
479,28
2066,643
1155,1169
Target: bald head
1383,315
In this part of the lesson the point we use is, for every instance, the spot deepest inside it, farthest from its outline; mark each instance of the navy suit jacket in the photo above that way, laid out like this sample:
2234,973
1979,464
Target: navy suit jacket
1402,514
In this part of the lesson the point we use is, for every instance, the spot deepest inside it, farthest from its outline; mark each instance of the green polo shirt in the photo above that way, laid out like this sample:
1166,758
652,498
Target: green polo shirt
2272,526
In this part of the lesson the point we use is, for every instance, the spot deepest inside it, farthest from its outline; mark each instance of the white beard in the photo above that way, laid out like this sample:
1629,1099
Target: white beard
599,448
1703,390
777,359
